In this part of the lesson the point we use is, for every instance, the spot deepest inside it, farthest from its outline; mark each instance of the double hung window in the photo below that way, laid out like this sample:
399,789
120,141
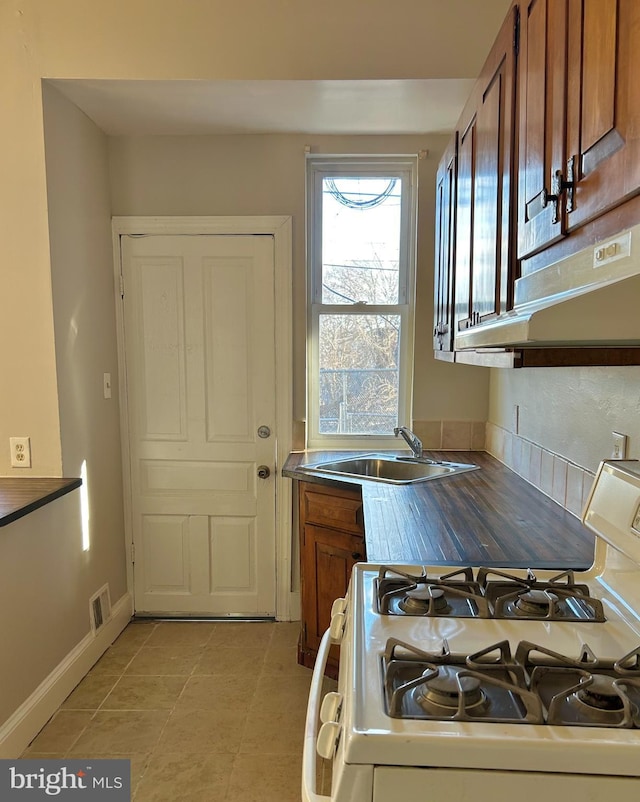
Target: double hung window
361,257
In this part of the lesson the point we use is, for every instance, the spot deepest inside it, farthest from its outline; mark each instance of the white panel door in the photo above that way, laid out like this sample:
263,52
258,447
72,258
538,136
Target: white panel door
200,373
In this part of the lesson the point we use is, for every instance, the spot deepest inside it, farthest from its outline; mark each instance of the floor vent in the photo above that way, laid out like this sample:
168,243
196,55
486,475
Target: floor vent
100,608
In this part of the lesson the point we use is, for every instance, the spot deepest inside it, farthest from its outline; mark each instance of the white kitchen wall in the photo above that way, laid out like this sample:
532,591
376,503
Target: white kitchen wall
265,174
47,573
43,615
85,329
565,420
570,411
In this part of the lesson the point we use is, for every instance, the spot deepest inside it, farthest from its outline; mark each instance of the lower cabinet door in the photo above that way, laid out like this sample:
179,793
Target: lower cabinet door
328,557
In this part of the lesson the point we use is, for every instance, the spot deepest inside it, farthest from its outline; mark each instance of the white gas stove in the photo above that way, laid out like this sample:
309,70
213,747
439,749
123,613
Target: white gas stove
489,683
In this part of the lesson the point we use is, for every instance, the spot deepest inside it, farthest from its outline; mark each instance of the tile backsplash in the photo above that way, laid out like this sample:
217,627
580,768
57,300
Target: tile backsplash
563,481
451,435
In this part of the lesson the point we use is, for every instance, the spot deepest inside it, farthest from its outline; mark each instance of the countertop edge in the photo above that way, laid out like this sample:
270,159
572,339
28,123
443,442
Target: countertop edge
21,496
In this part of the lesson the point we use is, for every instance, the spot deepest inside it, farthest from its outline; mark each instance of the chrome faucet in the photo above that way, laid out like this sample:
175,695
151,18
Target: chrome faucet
413,441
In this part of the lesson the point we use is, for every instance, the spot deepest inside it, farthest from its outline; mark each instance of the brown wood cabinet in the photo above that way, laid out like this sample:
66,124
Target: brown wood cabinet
579,126
483,261
444,277
331,542
547,164
543,74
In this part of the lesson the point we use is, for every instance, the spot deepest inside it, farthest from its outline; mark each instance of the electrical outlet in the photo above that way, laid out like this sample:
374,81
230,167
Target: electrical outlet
20,452
618,446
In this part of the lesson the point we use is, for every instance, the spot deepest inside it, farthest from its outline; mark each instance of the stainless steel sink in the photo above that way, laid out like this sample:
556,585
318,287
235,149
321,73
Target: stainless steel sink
391,468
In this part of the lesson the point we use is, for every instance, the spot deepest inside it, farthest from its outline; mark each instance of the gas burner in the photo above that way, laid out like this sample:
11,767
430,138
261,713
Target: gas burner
486,686
586,691
447,688
456,594
420,600
600,694
580,698
537,603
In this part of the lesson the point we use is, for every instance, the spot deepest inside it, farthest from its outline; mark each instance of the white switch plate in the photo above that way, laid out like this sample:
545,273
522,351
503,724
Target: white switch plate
618,446
20,452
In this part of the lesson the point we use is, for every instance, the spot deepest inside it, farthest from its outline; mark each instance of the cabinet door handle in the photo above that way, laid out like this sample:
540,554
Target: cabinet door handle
559,185
356,555
570,183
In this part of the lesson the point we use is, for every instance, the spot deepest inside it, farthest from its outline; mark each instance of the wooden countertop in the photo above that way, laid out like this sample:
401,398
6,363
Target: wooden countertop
489,517
19,497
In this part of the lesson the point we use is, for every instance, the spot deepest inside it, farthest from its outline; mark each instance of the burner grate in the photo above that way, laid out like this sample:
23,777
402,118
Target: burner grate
490,594
536,686
444,687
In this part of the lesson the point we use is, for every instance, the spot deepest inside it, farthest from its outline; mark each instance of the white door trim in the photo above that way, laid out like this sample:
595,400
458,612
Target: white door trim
287,603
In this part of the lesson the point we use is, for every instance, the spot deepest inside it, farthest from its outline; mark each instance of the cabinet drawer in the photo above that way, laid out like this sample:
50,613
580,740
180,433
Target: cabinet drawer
332,507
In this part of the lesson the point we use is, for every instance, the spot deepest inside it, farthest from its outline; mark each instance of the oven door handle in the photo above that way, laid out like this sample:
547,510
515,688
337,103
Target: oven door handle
309,753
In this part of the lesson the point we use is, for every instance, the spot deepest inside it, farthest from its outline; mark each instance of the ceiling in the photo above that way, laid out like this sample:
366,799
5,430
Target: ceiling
194,107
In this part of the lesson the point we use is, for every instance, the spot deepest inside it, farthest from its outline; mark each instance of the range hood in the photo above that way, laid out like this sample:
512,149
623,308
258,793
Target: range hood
591,298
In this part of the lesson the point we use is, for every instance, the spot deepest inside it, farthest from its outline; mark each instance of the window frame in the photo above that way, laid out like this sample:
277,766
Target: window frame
320,167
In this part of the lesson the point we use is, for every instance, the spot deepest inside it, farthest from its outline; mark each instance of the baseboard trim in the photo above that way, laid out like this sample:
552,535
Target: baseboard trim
22,726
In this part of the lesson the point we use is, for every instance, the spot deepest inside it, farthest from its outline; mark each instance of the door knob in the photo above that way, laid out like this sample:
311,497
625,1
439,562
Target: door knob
264,432
264,472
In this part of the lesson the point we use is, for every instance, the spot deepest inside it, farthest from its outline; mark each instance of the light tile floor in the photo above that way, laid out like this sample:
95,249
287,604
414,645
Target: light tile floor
208,712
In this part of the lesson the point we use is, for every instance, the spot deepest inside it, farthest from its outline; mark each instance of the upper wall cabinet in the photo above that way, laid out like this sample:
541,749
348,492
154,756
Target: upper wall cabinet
485,148
547,165
579,126
445,251
542,122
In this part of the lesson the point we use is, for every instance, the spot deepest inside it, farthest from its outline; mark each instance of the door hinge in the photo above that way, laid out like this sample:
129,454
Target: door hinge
516,31
121,285
133,552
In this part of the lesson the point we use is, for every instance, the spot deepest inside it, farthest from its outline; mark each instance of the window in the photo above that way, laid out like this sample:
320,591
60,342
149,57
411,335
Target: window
361,256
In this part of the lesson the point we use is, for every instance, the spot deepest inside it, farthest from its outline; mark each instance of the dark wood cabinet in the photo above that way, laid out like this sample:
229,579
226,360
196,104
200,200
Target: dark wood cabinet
331,542
547,165
541,132
603,106
444,277
579,126
483,256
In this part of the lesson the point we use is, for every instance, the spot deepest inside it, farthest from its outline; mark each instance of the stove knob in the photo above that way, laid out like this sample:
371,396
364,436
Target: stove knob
339,606
336,628
330,706
328,739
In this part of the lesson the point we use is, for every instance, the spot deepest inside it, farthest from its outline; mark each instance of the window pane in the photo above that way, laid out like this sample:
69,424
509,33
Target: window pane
359,359
360,240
